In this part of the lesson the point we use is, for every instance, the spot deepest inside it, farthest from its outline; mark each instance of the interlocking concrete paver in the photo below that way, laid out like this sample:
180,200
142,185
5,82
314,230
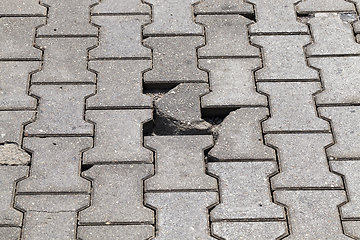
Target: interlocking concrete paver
120,36
14,81
223,7
245,191
345,124
64,19
174,60
12,154
8,175
226,35
231,83
180,163
302,161
249,230
119,84
55,165
118,232
313,6
239,137
284,58
61,110
121,6
65,60
172,17
10,233
120,133
310,221
270,12
332,36
352,228
292,107
11,125
182,215
180,109
22,8
117,194
340,77
17,37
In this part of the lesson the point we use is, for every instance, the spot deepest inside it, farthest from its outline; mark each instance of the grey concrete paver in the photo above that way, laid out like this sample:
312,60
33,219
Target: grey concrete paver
22,8
120,133
313,6
61,110
121,6
55,165
302,161
11,125
117,194
231,83
119,84
239,137
174,60
14,82
245,191
172,17
10,233
12,155
223,7
352,228
119,232
270,12
180,163
332,36
120,37
65,60
292,107
64,19
226,35
310,221
284,58
182,214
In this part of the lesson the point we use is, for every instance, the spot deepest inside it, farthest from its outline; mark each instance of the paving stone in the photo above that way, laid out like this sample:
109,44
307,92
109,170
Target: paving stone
11,125
239,137
292,107
340,77
65,60
245,191
174,60
64,19
284,58
232,83
55,165
10,233
182,215
351,171
226,35
118,194
352,228
275,16
302,161
14,82
17,37
345,125
8,176
249,230
22,8
119,84
120,133
120,36
119,232
179,110
313,6
223,7
61,110
313,214
12,154
121,6
172,17
332,36
180,163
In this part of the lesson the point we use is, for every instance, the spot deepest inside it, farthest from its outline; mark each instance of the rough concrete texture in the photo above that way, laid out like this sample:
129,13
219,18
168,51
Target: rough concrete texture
179,119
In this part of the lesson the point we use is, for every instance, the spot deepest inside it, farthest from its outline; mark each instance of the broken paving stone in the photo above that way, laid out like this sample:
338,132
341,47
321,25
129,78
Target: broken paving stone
135,7
179,110
12,154
223,7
